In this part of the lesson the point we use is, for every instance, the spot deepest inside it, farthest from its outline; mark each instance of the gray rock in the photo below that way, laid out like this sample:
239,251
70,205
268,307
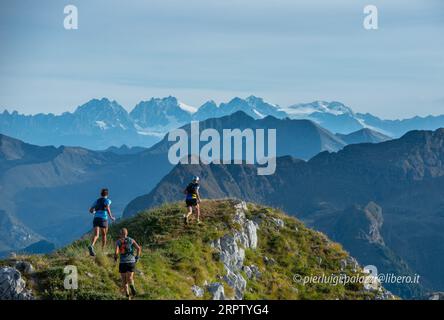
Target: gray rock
12,285
354,265
231,255
259,218
255,270
241,206
278,222
247,234
343,263
216,290
197,291
232,247
24,267
383,294
252,271
269,261
248,272
436,296
237,282
251,233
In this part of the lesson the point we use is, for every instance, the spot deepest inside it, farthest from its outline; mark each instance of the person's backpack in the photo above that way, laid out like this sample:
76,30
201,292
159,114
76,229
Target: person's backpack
100,204
126,246
192,189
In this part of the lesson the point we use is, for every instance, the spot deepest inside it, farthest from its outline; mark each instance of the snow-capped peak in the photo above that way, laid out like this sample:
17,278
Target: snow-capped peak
305,109
253,100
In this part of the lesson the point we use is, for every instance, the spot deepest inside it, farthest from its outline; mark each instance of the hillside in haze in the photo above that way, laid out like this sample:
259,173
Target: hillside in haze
240,251
37,183
383,202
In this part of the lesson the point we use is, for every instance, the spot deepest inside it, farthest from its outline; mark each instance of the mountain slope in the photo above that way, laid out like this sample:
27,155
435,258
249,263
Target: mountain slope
363,136
241,252
404,177
160,114
253,106
299,138
334,116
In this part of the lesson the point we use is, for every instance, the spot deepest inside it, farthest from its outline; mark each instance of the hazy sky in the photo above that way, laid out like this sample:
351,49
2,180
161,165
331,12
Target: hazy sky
285,51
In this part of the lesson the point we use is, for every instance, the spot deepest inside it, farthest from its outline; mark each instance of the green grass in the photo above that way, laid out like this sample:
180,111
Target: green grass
177,256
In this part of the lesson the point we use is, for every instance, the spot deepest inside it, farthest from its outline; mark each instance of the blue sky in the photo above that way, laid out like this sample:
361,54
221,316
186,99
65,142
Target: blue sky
283,50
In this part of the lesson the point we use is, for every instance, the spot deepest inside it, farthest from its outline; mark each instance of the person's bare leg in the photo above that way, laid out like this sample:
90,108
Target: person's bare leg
198,213
127,282
124,288
131,283
104,233
95,236
189,213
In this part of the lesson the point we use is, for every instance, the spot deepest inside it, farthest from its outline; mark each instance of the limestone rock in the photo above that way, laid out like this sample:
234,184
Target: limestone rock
12,285
197,291
216,290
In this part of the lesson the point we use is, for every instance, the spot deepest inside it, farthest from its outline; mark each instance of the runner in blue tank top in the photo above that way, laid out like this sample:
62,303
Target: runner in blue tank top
101,210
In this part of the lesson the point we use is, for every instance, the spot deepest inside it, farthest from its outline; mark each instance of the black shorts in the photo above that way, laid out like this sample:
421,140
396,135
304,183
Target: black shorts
191,202
126,267
99,222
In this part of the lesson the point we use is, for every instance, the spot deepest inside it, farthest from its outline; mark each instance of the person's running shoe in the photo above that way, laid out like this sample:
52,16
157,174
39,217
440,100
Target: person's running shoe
133,290
91,251
185,219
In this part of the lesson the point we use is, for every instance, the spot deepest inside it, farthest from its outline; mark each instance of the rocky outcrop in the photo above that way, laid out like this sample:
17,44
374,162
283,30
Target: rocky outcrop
12,285
252,271
436,296
216,290
278,222
351,263
197,291
24,267
231,248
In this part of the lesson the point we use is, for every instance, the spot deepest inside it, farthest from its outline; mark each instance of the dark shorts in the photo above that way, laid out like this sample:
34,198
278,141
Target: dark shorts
99,222
191,202
126,267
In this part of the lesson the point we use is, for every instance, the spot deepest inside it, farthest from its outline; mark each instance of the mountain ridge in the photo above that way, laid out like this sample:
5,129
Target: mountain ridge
102,123
240,251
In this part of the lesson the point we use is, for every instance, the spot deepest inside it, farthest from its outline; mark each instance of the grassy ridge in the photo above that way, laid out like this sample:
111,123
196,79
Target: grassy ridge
176,256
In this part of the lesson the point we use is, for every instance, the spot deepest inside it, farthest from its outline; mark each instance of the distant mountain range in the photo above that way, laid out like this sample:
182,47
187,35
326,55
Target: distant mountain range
46,191
36,182
100,124
384,202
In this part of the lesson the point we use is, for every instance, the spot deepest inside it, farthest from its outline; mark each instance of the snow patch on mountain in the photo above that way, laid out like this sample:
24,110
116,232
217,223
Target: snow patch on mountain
187,107
102,124
306,109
